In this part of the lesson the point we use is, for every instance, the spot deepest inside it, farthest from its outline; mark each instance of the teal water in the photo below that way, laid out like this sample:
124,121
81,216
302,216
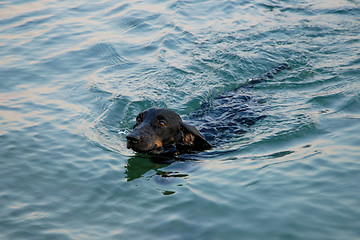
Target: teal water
74,74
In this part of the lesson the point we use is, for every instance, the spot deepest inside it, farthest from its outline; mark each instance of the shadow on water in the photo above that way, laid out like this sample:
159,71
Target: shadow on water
139,164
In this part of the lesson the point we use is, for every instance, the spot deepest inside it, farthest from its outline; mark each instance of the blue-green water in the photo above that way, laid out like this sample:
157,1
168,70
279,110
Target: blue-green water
74,74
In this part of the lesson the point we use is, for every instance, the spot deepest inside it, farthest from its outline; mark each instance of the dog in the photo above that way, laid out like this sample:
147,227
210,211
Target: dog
160,131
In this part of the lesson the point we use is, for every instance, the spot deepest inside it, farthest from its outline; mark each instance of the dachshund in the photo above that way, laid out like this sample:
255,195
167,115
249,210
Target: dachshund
160,131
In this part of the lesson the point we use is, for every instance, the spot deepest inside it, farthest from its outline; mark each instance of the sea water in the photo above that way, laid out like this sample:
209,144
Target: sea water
74,74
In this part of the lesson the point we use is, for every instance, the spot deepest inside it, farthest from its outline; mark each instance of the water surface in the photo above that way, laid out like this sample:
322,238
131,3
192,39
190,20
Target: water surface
73,76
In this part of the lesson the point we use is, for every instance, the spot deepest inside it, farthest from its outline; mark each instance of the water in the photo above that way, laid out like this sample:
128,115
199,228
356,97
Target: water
74,74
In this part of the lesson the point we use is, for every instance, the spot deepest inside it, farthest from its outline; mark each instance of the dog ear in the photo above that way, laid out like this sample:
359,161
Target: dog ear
193,138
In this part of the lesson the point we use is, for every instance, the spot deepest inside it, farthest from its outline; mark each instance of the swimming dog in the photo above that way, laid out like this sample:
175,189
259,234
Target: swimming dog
162,131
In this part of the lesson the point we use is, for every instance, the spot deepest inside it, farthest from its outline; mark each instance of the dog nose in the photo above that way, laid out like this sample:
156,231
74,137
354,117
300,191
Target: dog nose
132,139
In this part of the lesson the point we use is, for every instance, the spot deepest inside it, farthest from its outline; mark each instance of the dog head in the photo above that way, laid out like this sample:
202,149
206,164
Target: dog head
161,131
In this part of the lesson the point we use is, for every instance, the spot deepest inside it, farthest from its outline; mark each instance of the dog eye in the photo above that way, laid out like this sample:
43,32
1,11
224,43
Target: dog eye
138,119
162,124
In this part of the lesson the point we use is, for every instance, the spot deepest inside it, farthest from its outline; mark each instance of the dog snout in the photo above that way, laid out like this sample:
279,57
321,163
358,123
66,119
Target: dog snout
132,139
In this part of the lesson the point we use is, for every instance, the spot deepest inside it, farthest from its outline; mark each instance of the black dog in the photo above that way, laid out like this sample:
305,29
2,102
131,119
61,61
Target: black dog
162,131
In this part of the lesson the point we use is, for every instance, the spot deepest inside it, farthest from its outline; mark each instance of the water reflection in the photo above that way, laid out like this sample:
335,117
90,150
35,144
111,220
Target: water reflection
139,164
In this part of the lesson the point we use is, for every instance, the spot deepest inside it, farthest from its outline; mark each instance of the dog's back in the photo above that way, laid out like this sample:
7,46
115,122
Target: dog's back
231,114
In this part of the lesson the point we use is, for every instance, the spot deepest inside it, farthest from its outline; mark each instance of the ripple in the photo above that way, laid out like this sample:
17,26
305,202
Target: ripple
73,76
